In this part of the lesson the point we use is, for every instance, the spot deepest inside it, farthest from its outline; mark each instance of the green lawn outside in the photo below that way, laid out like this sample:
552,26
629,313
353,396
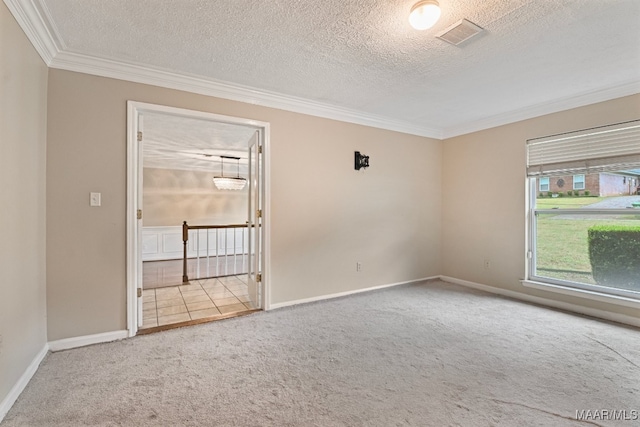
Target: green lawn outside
566,202
562,249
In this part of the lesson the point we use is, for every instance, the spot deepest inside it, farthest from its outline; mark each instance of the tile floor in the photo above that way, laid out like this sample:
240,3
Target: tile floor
206,298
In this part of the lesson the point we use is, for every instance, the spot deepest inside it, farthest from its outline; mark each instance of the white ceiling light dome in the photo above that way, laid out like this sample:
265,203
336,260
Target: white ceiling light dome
424,14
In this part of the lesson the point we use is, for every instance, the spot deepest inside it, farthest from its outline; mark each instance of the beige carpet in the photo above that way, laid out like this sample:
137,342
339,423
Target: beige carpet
430,354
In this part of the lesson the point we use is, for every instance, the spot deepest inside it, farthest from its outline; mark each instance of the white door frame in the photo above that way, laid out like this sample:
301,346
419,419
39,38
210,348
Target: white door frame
134,256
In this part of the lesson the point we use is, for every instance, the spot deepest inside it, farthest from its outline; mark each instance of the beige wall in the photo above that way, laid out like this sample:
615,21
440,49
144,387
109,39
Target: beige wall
420,199
23,92
423,208
325,216
484,196
173,196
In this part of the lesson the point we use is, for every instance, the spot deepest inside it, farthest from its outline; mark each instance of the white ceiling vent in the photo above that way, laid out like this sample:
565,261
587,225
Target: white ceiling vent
459,32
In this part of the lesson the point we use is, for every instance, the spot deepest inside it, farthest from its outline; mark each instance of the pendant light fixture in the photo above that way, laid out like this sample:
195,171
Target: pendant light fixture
424,14
226,182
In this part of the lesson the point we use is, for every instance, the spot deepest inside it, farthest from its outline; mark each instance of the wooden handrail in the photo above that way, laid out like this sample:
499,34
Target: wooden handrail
202,227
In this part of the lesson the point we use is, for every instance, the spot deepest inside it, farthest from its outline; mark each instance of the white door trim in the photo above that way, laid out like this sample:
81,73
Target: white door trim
133,256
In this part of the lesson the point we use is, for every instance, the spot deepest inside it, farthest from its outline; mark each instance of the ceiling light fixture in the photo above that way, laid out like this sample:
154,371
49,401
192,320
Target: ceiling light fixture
424,14
226,182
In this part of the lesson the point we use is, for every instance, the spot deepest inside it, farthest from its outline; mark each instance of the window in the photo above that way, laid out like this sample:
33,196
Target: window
578,242
544,184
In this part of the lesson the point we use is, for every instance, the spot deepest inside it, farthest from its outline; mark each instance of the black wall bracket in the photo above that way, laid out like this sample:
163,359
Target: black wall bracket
361,161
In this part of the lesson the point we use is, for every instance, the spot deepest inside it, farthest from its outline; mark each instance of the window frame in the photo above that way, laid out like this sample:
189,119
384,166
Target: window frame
583,181
628,298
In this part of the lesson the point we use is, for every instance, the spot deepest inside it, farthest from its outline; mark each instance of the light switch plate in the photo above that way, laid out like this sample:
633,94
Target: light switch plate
96,199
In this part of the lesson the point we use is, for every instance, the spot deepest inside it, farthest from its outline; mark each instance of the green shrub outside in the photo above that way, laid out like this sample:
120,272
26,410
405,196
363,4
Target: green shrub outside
560,194
549,194
587,192
614,253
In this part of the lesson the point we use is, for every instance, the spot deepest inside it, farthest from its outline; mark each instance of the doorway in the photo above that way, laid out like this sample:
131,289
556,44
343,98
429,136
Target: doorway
162,138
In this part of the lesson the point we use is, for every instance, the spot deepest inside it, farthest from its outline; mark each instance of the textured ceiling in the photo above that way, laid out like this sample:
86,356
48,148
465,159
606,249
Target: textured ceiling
362,55
177,142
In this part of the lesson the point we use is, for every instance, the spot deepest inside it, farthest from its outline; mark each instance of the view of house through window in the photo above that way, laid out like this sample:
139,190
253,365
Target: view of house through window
585,210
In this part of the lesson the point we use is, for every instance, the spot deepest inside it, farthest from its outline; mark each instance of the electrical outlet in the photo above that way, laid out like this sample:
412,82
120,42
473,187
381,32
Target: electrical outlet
358,267
487,263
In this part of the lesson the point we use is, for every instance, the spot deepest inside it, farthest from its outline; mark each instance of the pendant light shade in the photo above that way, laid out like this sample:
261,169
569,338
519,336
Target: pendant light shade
424,14
228,182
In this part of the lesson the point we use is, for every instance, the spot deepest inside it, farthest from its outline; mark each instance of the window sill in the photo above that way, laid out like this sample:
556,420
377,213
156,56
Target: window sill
582,293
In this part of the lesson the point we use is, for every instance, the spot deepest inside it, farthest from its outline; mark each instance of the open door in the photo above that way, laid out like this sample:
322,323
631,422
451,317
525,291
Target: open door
255,221
258,225
139,271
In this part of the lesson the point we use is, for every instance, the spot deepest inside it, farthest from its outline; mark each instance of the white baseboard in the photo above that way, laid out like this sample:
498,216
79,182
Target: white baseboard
58,345
593,312
342,294
15,391
68,343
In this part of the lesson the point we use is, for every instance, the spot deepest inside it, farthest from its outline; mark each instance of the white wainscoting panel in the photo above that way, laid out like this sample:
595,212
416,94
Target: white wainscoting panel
150,244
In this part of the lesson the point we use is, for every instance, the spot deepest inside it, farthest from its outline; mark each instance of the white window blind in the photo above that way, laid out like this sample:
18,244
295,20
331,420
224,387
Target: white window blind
608,148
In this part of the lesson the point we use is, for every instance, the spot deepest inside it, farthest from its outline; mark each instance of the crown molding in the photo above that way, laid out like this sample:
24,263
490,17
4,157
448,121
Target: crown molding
37,25
30,19
34,20
587,98
142,74
190,83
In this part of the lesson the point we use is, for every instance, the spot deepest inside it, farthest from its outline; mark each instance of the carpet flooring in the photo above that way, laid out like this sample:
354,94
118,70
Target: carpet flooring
427,354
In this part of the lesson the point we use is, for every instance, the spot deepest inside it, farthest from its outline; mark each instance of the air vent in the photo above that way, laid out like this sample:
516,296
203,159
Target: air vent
459,32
